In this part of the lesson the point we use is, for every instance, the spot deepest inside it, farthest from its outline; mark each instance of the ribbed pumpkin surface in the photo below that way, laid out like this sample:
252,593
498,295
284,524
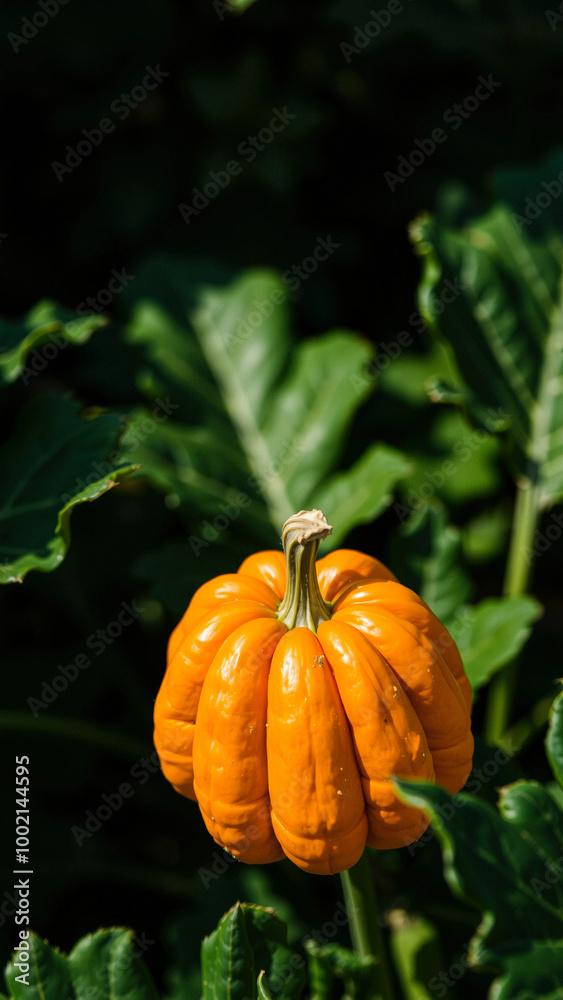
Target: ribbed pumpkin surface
286,738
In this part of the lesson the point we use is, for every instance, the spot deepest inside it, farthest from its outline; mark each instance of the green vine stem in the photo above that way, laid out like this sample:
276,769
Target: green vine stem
367,939
518,573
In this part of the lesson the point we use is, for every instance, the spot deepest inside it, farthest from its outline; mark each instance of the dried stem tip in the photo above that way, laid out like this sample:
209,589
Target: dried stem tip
308,525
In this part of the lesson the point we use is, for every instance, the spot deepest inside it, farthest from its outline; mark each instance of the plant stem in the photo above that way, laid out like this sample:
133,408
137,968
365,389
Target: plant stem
303,603
517,578
361,907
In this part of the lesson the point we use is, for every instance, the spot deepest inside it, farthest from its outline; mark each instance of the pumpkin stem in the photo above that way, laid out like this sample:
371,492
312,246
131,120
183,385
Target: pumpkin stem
303,604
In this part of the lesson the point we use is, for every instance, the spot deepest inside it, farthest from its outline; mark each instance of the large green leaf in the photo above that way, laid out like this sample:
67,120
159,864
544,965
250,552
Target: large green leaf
201,471
554,738
45,324
108,965
48,977
491,633
506,329
543,982
248,940
105,965
361,493
54,460
506,863
272,418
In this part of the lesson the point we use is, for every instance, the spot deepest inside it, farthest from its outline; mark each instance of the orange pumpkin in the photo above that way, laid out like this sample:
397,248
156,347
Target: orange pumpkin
295,689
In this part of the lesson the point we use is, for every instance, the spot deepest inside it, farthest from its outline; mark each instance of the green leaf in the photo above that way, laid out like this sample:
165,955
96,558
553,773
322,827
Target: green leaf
554,738
196,468
431,549
411,374
415,948
491,633
529,806
492,420
507,864
331,961
506,329
54,460
48,978
272,418
107,965
535,975
362,493
302,419
46,323
248,940
267,936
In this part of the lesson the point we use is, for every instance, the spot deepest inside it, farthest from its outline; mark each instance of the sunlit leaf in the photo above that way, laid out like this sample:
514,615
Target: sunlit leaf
249,940
54,460
266,417
46,324
506,329
490,634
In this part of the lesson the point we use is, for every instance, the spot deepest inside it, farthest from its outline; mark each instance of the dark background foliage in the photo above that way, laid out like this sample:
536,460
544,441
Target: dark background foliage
322,176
